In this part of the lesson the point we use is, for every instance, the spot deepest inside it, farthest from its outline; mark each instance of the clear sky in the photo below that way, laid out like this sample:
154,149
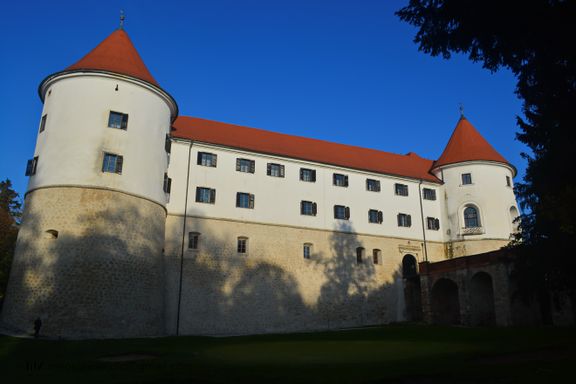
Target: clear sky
339,70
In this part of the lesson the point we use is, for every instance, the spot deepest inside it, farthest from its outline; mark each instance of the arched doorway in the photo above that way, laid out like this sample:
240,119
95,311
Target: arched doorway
482,300
445,302
412,293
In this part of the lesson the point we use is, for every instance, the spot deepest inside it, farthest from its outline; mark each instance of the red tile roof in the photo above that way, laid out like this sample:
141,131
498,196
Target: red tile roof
257,140
466,144
116,54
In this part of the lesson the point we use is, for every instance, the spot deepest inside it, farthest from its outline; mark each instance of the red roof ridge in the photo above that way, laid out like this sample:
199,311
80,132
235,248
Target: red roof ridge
116,54
467,144
304,148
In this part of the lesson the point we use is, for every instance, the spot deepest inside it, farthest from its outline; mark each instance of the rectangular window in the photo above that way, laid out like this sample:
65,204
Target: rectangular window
193,238
401,189
245,165
508,181
167,183
275,170
244,200
118,120
375,216
43,123
168,144
429,194
31,166
308,208
341,212
340,180
205,195
112,163
307,250
376,256
433,223
373,185
466,178
308,175
404,220
242,245
207,159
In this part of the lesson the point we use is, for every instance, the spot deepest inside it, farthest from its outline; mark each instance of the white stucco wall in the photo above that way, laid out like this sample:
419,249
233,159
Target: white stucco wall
277,200
488,192
70,149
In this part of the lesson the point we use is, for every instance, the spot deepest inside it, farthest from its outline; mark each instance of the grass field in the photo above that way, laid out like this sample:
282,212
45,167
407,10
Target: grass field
396,354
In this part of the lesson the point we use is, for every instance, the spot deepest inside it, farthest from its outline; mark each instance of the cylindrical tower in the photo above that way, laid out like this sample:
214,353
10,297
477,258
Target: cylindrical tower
480,204
88,259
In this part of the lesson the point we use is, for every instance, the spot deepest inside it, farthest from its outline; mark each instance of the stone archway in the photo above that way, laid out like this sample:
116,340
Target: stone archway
482,300
445,302
412,292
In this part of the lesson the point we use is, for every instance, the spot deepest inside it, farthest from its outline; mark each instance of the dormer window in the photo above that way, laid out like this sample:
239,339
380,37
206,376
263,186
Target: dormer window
118,120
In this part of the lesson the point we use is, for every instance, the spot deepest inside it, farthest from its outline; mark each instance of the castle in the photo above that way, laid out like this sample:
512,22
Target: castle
140,222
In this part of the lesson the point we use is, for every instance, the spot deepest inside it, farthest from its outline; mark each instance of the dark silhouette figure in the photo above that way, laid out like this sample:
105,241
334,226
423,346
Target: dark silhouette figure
37,326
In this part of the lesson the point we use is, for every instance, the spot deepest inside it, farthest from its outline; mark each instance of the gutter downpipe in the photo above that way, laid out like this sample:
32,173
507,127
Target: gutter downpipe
422,220
183,241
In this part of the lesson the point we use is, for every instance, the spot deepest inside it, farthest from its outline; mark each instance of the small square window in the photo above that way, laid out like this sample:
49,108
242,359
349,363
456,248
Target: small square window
112,163
31,166
242,245
466,178
307,251
43,123
401,189
433,223
308,175
244,200
245,165
308,208
207,159
340,180
341,212
193,239
429,194
375,216
205,195
373,185
404,220
275,170
118,120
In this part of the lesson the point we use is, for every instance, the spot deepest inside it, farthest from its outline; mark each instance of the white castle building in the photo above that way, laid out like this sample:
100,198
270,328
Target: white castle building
141,222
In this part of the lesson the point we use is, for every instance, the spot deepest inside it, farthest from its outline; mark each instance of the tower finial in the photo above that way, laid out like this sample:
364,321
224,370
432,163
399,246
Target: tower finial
122,18
461,108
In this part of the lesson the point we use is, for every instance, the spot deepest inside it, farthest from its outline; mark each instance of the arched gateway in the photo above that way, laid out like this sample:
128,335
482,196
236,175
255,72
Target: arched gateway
445,302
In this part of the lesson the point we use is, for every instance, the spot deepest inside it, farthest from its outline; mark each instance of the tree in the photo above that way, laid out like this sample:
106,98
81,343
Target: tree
9,214
530,38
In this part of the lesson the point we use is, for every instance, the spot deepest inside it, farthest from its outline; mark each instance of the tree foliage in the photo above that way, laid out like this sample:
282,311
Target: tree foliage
532,39
9,213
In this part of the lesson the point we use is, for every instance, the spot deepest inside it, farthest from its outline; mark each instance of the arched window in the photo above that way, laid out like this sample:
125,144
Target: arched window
409,268
359,255
471,217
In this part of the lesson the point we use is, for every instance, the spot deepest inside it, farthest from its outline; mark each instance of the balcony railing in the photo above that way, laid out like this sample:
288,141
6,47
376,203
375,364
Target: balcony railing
471,231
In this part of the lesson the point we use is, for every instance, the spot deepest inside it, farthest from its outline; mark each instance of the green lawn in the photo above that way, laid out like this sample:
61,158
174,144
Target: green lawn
396,353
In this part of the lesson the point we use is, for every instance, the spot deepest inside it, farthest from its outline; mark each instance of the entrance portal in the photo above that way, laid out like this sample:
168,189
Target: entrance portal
412,293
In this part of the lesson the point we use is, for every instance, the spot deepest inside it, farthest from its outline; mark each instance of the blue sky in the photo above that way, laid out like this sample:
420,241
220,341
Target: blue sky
340,70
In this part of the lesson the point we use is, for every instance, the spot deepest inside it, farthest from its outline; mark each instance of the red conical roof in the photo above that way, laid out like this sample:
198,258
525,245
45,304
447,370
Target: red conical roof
116,54
466,144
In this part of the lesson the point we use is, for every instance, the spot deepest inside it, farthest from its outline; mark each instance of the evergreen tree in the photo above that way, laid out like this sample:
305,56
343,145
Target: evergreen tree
532,39
9,214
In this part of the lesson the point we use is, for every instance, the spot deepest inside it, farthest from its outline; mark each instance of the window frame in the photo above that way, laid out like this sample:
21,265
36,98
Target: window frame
339,180
376,256
312,173
245,165
307,251
466,178
193,241
201,193
275,170
31,166
118,163
167,186
251,200
313,208
379,216
401,189
346,211
508,181
376,185
404,220
202,159
242,245
123,122
360,255
432,223
43,123
429,194
468,218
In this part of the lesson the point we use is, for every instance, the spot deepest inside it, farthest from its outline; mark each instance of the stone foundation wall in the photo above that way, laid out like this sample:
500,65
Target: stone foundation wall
102,276
273,288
